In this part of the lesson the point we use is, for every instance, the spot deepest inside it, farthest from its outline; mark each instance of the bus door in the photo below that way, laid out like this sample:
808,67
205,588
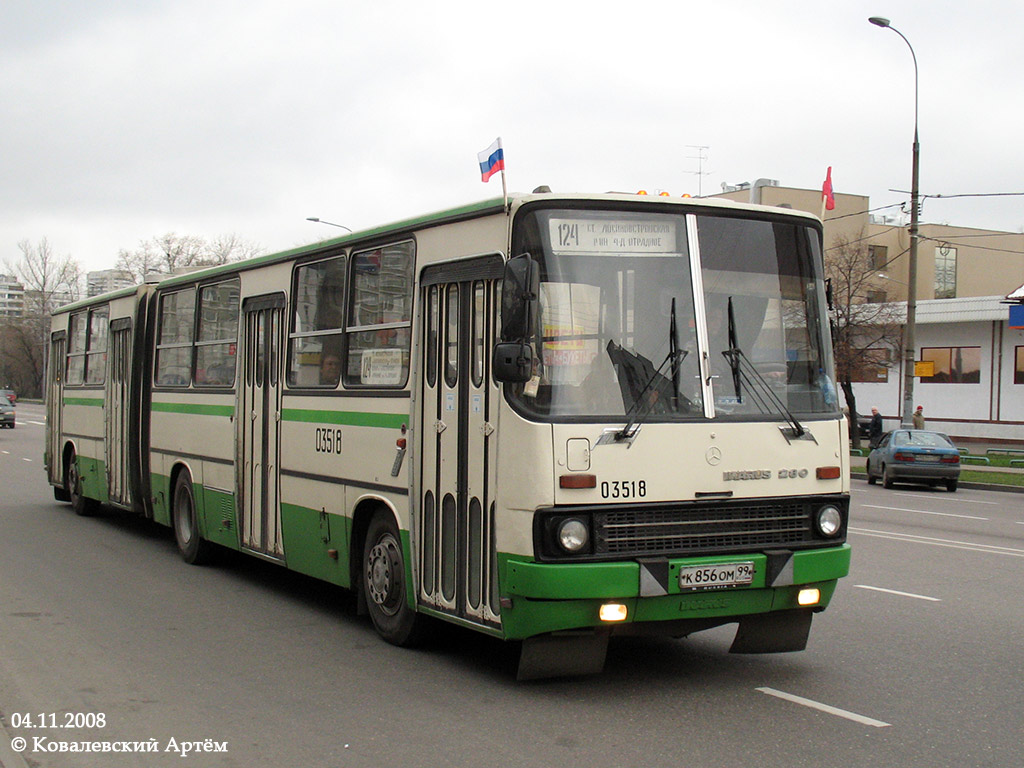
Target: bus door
55,407
257,468
116,415
456,553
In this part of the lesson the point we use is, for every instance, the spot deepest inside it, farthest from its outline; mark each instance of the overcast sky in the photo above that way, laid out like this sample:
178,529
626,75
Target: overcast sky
125,119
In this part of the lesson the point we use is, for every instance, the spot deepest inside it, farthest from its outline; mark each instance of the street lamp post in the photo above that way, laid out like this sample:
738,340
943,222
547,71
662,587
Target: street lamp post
910,340
329,223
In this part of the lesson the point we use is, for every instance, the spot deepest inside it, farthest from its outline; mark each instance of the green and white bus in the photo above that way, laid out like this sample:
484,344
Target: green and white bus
554,420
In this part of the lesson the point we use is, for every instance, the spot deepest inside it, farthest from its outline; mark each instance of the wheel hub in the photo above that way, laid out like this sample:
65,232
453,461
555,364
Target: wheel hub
380,575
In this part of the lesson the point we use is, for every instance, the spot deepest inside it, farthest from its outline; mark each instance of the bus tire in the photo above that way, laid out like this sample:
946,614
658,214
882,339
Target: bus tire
83,506
185,521
384,583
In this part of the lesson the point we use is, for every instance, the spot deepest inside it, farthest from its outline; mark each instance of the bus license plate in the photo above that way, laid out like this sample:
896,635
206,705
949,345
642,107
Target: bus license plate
716,576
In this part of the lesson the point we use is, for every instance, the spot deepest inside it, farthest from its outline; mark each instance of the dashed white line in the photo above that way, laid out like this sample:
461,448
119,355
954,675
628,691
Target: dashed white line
958,501
923,512
897,592
862,719
950,543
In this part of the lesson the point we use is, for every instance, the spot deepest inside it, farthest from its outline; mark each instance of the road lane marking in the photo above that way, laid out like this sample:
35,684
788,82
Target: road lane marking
924,512
958,501
897,592
949,543
862,719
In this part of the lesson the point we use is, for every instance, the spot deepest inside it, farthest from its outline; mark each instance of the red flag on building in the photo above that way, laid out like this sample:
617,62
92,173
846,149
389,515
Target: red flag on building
828,199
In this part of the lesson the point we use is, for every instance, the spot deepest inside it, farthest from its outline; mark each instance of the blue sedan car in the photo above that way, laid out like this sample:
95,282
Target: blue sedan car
915,456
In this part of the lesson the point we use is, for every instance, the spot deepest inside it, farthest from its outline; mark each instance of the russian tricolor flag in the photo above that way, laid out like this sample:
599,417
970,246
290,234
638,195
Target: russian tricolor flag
491,160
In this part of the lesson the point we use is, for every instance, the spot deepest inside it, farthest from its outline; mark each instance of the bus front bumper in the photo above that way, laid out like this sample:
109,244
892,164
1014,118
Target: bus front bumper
541,598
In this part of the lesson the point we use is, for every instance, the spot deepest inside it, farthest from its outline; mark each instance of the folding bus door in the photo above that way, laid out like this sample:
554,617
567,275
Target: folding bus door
258,421
457,563
117,413
55,408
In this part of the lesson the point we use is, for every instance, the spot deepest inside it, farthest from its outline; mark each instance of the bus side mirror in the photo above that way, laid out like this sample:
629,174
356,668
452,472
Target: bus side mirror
519,291
513,362
513,356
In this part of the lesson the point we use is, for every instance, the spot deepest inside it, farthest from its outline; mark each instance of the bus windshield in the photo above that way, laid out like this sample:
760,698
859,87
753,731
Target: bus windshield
671,316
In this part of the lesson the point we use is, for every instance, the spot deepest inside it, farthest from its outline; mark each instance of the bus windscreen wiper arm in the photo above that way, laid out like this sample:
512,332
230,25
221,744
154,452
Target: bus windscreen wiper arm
642,405
760,390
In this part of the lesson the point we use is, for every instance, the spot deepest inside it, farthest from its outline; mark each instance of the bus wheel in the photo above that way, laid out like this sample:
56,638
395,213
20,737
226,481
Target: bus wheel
384,583
193,549
82,505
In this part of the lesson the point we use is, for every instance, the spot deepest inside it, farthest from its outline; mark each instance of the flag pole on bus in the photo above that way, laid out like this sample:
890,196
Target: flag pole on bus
491,161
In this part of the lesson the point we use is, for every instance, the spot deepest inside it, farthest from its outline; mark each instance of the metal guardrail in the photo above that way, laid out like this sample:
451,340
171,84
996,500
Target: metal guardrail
982,459
1004,450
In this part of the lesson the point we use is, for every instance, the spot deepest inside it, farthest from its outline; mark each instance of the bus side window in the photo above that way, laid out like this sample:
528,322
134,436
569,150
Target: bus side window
380,316
96,352
316,340
174,338
217,344
76,350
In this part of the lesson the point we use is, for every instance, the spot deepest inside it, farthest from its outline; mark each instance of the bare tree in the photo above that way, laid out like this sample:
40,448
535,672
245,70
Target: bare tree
169,253
868,333
50,281
229,248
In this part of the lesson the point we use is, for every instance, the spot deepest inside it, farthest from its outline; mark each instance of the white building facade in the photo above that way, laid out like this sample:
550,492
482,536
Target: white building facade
976,390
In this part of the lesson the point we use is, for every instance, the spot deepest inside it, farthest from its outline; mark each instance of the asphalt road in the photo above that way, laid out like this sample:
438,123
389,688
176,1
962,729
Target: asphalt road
918,662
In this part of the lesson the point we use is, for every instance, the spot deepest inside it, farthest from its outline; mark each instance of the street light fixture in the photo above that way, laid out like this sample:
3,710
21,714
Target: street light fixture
910,340
329,223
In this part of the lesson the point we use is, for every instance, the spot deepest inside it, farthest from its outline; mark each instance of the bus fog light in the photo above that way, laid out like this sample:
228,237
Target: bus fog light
829,521
573,535
612,612
809,596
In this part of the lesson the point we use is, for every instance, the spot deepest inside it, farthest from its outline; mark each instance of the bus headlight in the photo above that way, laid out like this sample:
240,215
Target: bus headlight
573,535
829,521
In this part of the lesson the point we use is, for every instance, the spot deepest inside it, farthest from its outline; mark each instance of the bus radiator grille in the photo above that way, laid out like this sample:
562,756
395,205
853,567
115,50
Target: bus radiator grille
693,530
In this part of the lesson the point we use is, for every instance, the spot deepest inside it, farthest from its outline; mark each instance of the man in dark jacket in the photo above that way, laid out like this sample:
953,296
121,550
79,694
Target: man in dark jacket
875,430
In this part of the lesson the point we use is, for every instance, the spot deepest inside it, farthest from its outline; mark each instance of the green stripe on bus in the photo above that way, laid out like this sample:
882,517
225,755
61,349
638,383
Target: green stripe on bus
200,409
83,401
346,418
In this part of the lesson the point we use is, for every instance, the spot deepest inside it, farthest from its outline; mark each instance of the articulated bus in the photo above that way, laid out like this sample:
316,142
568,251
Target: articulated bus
553,419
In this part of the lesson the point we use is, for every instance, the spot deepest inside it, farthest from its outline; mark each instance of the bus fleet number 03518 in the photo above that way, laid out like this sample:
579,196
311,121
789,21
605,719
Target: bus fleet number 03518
623,489
327,440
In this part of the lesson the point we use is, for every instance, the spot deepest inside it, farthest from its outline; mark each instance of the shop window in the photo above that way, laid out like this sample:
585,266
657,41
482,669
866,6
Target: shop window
953,365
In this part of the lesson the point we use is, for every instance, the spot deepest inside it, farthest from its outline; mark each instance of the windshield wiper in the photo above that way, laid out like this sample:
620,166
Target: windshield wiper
760,391
635,368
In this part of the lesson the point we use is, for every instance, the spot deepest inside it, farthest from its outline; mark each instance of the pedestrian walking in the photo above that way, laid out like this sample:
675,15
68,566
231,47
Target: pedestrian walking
918,418
875,430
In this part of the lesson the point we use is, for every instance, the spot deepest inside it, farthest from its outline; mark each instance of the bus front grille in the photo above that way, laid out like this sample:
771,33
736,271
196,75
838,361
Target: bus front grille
700,529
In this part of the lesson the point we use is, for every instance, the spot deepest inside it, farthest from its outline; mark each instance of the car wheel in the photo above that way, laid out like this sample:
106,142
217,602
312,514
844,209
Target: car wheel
951,486
887,480
871,477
